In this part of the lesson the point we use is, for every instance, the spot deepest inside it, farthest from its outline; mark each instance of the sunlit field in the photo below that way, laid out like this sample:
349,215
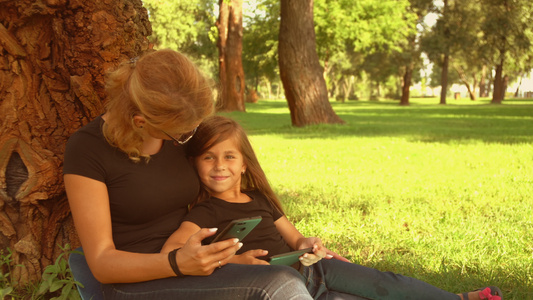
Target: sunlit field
440,193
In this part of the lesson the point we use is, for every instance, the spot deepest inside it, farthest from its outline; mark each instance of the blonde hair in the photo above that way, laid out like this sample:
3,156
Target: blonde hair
162,86
216,129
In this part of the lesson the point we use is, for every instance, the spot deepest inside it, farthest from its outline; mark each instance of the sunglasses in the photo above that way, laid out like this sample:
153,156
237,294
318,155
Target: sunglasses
184,138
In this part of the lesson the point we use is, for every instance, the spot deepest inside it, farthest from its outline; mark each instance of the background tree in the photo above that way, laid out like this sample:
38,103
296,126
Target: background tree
260,46
410,54
454,43
231,72
53,59
187,26
350,33
507,29
300,71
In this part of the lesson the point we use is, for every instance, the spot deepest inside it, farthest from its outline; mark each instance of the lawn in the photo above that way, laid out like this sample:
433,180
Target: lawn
440,193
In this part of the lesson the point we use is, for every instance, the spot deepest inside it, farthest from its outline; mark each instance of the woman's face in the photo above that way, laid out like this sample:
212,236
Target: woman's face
220,169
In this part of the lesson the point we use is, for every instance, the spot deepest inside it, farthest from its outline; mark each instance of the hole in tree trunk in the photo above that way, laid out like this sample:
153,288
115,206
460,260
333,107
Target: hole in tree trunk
16,174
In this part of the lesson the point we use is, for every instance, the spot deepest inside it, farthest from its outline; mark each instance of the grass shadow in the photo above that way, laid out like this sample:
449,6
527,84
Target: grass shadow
507,124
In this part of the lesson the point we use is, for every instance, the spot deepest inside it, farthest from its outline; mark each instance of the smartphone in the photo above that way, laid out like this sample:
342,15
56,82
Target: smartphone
288,258
237,229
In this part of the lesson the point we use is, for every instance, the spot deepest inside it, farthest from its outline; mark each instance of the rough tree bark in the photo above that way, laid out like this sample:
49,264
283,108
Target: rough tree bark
231,72
300,71
54,55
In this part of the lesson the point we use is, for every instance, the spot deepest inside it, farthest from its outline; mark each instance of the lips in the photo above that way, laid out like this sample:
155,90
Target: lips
219,178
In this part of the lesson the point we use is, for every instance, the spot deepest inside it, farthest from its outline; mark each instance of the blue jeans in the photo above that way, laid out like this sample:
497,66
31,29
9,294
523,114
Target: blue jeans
229,282
335,279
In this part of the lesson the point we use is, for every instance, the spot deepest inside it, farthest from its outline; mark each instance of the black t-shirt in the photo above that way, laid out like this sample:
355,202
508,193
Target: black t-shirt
148,200
218,213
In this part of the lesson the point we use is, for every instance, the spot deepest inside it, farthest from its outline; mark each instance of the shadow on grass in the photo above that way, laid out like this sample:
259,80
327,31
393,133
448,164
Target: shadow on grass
506,124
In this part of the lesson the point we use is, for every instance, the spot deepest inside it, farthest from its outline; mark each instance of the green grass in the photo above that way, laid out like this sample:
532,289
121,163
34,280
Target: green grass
439,193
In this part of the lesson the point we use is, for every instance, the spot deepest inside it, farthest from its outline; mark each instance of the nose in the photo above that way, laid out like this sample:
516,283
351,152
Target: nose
220,166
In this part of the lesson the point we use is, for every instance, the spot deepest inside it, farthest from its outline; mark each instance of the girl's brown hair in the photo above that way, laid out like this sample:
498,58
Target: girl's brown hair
216,129
162,86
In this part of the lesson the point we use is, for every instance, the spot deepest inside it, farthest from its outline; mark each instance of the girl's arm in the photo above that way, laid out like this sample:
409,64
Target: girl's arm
180,236
89,204
297,241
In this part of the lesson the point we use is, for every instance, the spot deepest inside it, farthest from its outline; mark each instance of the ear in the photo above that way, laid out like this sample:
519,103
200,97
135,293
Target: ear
139,121
243,169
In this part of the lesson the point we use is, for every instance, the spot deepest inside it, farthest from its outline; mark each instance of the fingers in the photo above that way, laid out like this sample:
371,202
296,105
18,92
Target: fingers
195,259
330,254
202,234
309,259
256,253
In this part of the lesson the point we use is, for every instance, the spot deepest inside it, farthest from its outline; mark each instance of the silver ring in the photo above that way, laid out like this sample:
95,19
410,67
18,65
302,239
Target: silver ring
219,264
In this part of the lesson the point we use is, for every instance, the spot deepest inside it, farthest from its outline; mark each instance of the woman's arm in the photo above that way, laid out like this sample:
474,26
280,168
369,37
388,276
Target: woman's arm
187,229
89,204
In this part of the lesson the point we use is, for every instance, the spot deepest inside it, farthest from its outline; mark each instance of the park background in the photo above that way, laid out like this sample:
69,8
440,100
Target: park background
370,153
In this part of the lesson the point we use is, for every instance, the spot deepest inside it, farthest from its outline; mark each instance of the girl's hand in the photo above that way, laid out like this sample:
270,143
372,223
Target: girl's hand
330,254
250,258
195,259
319,251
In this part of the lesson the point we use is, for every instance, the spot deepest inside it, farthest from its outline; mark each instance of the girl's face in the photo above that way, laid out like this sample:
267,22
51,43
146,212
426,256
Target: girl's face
220,169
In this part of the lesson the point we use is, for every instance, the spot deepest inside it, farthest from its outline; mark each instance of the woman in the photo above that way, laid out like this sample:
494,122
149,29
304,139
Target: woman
129,186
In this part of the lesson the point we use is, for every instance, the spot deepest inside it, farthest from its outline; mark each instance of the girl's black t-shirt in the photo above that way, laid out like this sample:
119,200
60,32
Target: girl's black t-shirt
148,200
218,213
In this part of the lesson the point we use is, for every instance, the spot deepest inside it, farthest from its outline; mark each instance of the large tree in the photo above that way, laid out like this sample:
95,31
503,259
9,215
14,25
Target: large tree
229,45
300,70
54,55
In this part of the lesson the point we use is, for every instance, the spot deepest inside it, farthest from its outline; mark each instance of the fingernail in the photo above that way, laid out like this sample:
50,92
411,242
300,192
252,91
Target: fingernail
240,245
235,241
329,256
213,229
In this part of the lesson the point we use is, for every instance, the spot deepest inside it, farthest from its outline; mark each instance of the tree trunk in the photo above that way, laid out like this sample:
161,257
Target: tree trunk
483,90
300,71
517,92
407,77
446,60
231,72
464,80
497,94
53,58
444,79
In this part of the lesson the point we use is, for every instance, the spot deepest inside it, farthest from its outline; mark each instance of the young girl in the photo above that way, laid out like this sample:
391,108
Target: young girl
234,186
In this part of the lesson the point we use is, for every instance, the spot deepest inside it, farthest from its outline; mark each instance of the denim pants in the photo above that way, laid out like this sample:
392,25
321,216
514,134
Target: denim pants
231,282
334,279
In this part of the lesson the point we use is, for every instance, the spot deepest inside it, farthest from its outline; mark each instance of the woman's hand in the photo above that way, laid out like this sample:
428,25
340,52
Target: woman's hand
250,258
195,259
319,251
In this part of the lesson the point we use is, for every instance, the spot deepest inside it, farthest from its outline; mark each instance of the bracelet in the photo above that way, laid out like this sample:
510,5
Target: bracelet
173,262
